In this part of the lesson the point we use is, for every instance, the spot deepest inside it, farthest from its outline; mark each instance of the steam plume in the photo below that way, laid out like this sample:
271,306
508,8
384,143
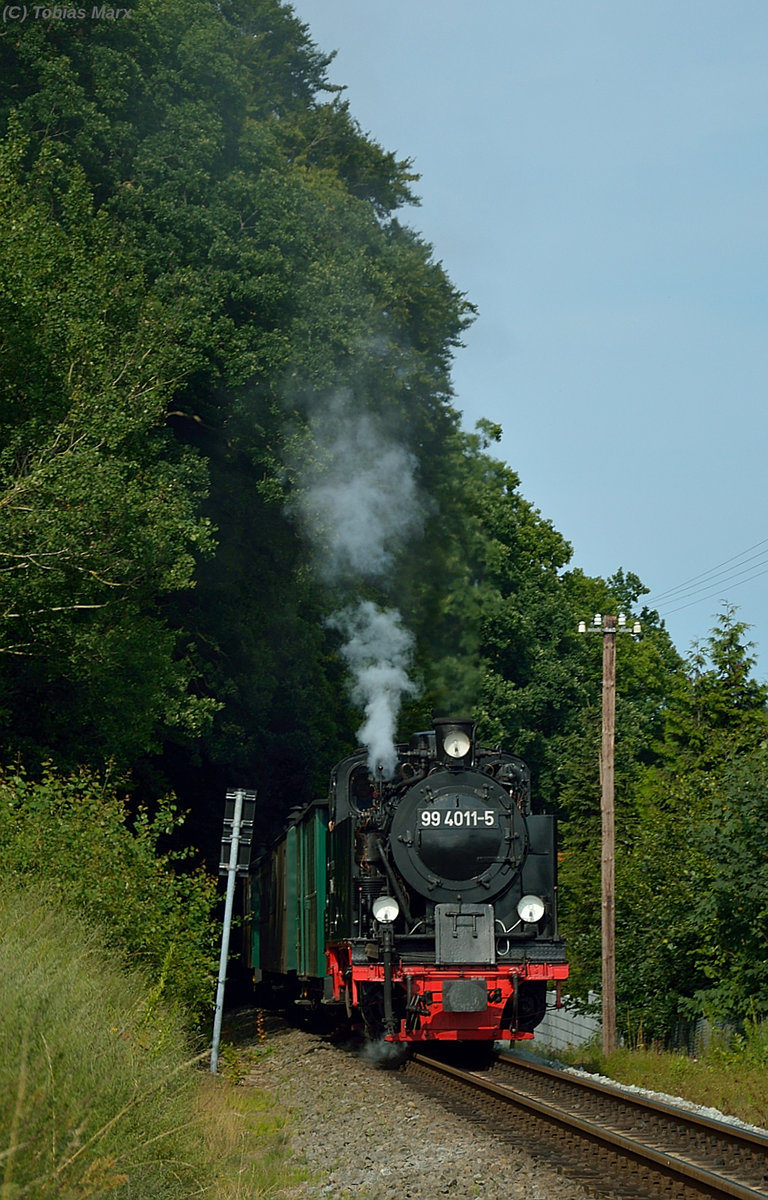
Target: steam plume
378,653
358,497
357,501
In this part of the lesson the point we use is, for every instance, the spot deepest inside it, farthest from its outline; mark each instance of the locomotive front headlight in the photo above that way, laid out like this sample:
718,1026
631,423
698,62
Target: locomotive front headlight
530,909
385,909
457,744
455,740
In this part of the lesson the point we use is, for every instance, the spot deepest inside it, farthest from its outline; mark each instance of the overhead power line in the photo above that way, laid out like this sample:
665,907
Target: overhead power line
732,572
717,592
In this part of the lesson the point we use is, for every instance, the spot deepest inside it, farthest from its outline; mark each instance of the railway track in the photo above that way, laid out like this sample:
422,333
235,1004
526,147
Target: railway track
615,1144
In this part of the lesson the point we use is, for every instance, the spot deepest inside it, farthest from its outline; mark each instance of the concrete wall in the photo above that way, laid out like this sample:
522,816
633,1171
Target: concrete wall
564,1027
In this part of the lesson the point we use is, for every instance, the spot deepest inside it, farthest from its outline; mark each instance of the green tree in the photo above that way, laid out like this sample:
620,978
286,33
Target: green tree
255,217
685,898
719,710
97,504
238,260
731,912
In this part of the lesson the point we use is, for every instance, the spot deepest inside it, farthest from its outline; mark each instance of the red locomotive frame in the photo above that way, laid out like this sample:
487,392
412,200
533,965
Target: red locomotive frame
426,1019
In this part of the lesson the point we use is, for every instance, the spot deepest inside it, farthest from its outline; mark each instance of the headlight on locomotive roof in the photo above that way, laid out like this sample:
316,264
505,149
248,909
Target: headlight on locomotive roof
385,909
457,744
530,909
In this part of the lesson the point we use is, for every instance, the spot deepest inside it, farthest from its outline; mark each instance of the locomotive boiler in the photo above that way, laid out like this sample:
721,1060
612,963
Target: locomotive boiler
425,905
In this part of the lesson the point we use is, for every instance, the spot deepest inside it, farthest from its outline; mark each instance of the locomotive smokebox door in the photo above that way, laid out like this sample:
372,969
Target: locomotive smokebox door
464,934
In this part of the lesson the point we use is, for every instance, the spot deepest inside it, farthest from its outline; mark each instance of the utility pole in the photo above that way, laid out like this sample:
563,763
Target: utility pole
608,856
608,626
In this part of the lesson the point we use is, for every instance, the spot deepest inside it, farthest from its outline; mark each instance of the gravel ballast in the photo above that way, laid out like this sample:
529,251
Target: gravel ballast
365,1132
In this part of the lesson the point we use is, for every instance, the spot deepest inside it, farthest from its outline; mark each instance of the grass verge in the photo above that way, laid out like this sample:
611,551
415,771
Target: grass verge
100,1092
247,1135
729,1074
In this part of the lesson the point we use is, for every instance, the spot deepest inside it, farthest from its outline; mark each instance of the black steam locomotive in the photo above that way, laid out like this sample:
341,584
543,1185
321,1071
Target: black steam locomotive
425,904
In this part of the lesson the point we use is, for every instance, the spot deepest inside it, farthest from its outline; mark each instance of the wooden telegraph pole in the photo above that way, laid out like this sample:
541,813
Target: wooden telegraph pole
607,811
609,627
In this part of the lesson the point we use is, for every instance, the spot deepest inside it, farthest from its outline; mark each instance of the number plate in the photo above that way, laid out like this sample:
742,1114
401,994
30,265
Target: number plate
457,818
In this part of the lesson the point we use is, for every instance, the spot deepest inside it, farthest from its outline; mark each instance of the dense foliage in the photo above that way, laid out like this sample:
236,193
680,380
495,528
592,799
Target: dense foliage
98,504
691,872
202,272
72,837
250,266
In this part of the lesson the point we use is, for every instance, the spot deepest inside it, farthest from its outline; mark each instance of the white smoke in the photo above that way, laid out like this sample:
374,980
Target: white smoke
357,500
357,497
378,652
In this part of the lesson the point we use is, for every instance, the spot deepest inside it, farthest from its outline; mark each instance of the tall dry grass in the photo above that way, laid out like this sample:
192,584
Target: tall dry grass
100,1092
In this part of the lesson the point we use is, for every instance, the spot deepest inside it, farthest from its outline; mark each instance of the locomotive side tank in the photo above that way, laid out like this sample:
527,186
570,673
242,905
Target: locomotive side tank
437,892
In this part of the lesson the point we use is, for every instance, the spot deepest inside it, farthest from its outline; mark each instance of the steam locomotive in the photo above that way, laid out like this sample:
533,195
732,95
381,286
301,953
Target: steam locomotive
423,906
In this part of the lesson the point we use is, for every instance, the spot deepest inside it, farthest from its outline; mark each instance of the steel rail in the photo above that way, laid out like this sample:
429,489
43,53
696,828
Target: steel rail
755,1139
650,1157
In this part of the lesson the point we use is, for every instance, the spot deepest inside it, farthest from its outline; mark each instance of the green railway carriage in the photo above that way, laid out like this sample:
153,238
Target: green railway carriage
285,904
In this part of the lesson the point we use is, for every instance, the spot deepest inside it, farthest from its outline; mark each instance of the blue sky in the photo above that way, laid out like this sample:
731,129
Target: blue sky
594,175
